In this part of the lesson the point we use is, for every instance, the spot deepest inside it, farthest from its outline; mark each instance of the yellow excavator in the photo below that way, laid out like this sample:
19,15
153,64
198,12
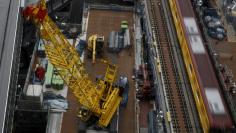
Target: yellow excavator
95,45
99,99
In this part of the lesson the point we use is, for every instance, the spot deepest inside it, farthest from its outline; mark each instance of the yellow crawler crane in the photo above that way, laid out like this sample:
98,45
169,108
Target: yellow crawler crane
99,99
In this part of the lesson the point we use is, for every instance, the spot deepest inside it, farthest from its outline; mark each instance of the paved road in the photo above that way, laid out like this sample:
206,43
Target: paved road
9,10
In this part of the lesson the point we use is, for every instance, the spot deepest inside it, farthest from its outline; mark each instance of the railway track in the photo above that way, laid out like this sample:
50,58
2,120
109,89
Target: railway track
176,101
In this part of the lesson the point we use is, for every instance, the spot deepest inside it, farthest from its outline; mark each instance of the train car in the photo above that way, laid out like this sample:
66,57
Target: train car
213,113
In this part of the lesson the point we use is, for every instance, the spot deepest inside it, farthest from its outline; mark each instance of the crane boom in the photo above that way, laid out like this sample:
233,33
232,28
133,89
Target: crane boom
98,99
95,44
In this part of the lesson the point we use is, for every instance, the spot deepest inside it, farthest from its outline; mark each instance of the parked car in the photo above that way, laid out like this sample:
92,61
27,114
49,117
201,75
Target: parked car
220,30
216,35
215,28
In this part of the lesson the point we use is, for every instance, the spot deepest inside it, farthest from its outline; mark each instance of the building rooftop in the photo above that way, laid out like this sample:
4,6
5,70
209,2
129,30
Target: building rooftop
9,11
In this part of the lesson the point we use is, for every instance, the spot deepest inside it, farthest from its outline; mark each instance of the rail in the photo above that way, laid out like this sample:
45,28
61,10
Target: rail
179,115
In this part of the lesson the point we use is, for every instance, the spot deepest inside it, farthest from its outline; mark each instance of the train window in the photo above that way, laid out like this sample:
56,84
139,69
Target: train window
196,44
193,35
190,25
214,100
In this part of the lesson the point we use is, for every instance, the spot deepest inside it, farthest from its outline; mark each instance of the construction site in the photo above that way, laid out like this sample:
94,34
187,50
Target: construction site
121,66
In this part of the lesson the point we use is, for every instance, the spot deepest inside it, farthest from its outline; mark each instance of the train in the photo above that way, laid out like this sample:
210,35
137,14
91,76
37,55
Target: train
212,110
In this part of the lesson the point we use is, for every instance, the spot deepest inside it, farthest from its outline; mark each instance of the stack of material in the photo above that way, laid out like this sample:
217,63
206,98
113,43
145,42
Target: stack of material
113,42
48,76
118,40
34,92
126,39
53,79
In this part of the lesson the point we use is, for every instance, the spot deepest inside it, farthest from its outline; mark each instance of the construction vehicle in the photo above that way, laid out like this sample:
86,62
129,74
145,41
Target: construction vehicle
123,25
95,45
97,99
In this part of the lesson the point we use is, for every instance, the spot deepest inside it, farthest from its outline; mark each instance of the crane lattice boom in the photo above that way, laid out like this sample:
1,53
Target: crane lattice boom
99,99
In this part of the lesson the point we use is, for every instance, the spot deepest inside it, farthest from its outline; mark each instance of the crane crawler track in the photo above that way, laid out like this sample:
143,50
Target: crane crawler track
177,105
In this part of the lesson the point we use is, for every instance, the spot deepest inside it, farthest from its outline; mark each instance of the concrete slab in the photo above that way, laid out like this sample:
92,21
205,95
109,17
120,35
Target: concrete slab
102,22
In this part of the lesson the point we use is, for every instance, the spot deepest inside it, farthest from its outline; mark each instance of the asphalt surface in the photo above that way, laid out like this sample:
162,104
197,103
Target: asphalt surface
9,10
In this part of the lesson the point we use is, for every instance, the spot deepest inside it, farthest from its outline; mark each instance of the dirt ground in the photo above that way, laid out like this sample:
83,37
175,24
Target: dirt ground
102,22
